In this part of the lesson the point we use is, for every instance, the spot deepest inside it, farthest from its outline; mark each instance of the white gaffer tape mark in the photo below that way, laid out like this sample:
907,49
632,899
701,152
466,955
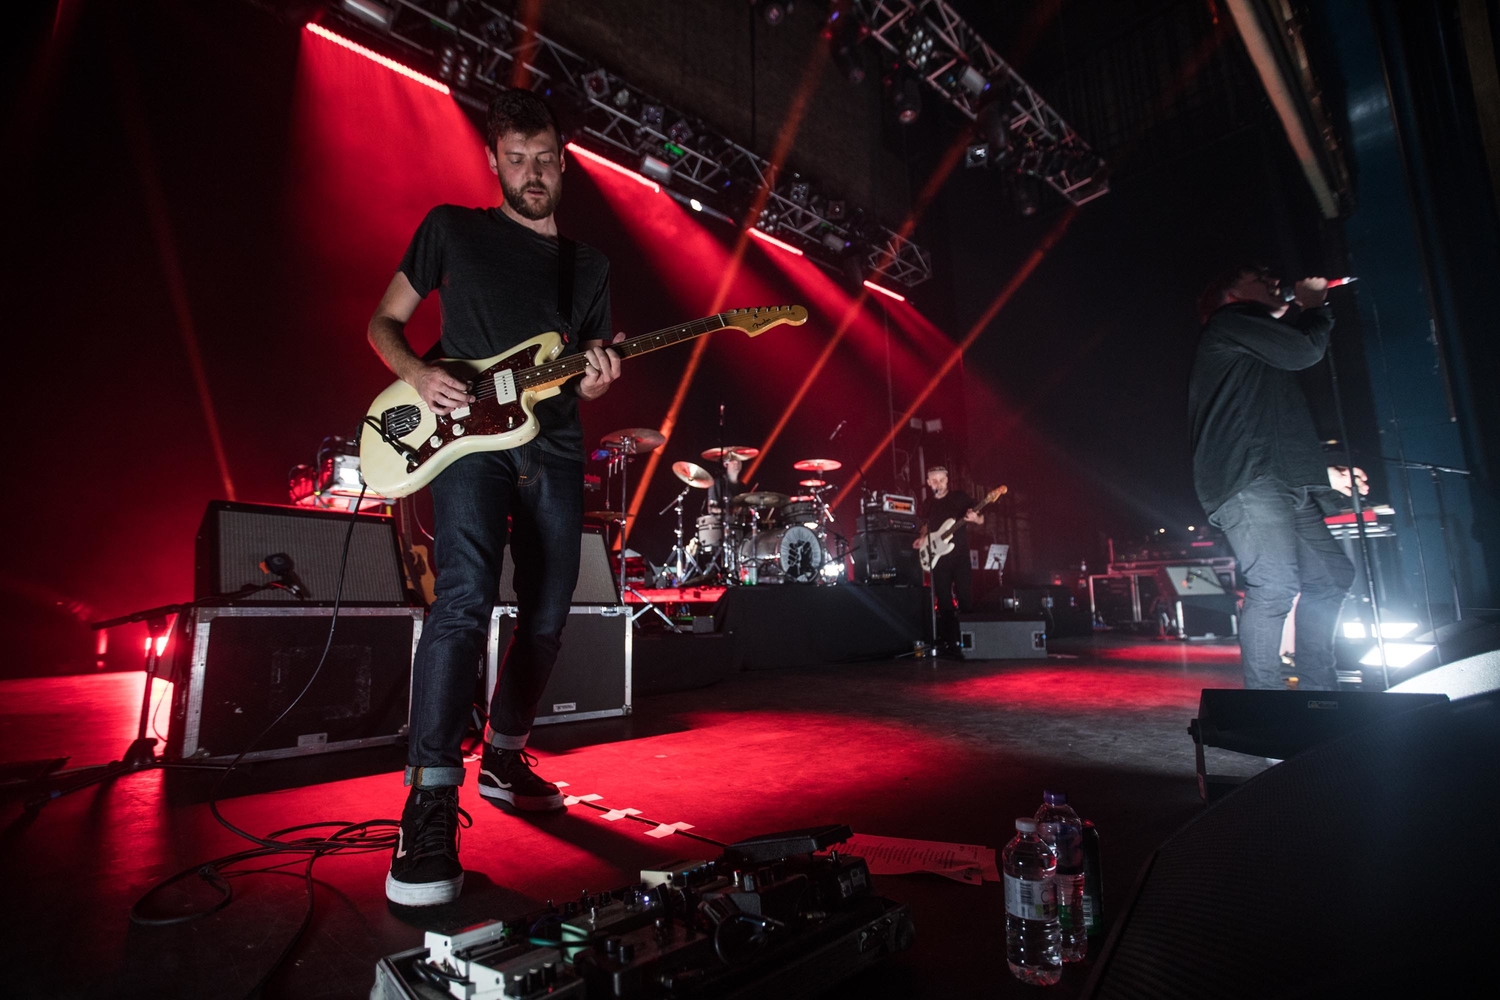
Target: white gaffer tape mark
667,829
616,814
573,800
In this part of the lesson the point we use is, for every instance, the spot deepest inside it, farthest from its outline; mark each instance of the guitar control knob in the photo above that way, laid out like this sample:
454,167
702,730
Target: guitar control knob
458,430
435,441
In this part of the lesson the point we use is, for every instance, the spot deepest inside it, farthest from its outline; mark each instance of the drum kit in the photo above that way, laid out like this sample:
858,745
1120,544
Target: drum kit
755,537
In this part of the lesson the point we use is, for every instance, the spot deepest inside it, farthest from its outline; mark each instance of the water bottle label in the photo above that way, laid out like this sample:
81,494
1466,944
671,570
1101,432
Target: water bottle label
1030,900
1088,912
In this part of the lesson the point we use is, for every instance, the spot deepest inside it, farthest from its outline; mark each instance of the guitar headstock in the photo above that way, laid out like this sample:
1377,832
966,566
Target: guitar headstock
758,320
995,494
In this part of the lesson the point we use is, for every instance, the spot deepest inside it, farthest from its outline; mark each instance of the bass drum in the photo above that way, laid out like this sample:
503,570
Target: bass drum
793,554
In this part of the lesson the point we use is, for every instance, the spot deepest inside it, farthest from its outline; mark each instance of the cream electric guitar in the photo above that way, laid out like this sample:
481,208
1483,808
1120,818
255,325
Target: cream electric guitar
403,445
940,542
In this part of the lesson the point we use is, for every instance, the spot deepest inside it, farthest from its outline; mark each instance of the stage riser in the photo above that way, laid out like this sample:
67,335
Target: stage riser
795,626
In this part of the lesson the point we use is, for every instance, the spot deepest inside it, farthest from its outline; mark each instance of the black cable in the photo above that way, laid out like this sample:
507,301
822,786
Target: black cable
369,835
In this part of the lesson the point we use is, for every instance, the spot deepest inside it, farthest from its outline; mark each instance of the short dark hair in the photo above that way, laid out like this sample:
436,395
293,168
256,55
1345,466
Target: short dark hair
1213,293
517,110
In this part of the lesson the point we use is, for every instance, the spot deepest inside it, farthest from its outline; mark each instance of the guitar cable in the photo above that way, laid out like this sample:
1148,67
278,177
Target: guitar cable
345,838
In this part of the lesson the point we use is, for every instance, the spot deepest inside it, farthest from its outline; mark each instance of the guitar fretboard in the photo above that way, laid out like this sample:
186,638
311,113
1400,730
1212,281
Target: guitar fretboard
573,364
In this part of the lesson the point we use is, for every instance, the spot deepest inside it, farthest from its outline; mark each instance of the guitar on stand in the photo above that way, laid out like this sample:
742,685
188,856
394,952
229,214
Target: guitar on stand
940,542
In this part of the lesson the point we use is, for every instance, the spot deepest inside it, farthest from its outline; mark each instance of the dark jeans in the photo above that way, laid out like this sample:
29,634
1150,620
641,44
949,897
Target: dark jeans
535,499
1284,549
951,574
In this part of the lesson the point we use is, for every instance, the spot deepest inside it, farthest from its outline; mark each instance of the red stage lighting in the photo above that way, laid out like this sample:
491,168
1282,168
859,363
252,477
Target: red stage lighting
594,157
390,64
766,237
884,291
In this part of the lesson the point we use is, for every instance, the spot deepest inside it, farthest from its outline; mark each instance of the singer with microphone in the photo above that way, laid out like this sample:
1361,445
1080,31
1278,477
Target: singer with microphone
1259,468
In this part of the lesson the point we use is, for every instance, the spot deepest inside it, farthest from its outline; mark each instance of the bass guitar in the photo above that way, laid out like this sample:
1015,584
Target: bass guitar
940,542
403,445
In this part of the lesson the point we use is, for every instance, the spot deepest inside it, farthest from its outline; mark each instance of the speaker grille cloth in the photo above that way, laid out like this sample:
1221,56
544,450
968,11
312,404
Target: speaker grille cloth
315,544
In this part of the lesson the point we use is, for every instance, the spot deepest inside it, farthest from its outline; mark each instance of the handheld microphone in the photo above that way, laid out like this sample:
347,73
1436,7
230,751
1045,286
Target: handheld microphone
1289,292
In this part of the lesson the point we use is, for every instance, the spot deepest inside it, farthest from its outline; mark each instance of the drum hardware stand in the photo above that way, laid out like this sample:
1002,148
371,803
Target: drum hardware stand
624,451
679,551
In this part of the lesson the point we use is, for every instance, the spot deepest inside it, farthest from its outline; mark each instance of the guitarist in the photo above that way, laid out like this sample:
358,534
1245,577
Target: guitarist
951,573
504,275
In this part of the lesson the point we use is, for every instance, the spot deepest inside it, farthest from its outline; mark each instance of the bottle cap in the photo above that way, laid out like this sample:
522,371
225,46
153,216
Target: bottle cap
1055,798
1026,824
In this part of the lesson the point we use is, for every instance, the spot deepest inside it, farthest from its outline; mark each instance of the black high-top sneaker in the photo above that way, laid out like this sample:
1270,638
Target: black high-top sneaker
507,775
424,868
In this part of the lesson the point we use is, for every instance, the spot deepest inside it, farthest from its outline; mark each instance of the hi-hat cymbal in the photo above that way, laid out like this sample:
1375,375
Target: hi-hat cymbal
639,439
817,465
811,484
695,476
606,516
762,498
743,452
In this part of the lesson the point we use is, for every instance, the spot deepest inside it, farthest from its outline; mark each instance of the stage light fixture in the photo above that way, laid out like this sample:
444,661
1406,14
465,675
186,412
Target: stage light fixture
658,170
977,156
798,192
920,47
775,13
377,14
596,84
651,115
465,67
973,81
695,204
1397,654
884,291
680,131
445,61
837,209
593,157
376,57
766,237
906,99
835,242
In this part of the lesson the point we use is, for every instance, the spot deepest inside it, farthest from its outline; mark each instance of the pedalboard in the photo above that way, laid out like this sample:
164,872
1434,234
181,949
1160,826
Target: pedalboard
783,915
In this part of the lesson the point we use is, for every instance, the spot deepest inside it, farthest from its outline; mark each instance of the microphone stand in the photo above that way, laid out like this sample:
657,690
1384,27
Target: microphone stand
140,755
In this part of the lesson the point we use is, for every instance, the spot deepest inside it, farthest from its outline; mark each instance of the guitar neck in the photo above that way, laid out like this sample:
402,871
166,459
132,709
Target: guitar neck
555,372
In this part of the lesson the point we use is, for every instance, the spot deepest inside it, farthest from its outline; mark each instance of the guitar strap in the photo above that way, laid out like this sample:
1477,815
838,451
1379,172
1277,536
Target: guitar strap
567,267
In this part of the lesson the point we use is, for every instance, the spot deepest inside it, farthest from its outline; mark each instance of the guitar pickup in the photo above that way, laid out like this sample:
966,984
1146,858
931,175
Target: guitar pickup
505,387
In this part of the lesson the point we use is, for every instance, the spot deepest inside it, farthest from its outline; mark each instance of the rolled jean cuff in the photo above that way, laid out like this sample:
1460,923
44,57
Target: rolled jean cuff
502,742
434,777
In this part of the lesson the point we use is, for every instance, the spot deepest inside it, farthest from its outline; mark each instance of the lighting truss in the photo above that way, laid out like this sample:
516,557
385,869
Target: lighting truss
939,46
631,124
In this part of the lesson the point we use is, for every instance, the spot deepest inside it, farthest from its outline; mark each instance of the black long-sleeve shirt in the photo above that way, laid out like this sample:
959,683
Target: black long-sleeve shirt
1249,416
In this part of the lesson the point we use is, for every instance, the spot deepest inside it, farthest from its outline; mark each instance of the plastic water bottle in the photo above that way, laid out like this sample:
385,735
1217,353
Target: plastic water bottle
1060,826
1032,936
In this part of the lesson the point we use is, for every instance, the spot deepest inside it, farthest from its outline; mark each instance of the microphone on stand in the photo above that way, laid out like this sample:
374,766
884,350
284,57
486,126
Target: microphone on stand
1289,292
837,429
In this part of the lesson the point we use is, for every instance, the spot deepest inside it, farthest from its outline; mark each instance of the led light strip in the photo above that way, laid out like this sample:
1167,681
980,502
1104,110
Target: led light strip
766,237
373,56
884,291
594,157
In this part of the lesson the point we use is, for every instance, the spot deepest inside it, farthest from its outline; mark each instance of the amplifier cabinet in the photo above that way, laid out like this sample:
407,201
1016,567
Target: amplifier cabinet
591,679
240,667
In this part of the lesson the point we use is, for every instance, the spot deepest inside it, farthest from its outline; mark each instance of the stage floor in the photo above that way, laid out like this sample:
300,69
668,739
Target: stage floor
937,750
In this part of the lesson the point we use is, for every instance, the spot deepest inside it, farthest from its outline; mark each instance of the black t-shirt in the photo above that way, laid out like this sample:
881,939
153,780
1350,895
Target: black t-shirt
497,281
1249,416
936,510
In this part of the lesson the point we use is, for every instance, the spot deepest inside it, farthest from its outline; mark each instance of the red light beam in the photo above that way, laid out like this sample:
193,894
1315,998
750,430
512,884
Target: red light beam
593,157
884,291
767,238
999,302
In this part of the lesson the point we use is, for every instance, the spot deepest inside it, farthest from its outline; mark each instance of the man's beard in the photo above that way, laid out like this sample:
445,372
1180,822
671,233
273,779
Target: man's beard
516,199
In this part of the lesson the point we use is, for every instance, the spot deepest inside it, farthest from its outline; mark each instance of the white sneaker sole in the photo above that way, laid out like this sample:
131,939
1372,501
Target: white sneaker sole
526,803
422,893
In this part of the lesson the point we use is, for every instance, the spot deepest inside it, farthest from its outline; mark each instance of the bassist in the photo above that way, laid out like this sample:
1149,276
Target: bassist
504,275
951,574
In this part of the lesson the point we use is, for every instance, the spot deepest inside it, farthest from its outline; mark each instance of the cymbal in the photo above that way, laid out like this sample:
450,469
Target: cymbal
817,465
607,516
640,438
743,452
695,476
811,483
762,498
